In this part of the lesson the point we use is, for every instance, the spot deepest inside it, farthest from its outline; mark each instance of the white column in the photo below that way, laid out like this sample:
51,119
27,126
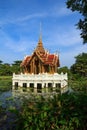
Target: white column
28,85
20,84
53,85
13,83
43,85
46,85
35,85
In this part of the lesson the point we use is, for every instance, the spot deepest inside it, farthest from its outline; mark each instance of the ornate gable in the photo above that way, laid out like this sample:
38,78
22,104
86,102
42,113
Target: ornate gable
40,61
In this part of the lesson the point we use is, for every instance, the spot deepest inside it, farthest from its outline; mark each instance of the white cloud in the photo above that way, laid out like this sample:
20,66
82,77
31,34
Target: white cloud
60,11
20,46
17,46
17,19
69,38
68,44
66,38
31,16
68,58
56,11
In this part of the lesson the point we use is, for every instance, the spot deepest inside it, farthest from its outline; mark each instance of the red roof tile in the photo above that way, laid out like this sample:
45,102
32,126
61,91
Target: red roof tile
46,58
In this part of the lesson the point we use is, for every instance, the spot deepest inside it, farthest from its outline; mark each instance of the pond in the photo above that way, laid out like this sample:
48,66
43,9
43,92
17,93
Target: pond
14,99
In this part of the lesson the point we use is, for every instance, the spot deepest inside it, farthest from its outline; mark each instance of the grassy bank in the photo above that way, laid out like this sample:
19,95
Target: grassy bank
5,83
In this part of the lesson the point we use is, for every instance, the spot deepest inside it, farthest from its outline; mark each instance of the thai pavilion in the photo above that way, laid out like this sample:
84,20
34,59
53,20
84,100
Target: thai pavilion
40,70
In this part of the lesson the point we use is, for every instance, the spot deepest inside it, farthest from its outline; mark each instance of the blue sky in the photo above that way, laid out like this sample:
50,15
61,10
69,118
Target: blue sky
20,28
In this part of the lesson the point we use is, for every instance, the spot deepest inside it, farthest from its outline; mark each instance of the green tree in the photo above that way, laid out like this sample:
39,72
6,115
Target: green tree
16,66
81,7
5,69
17,62
63,69
1,61
80,66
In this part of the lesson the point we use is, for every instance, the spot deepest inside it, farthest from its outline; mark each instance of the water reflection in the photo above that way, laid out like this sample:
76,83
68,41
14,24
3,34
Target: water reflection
14,99
15,96
39,91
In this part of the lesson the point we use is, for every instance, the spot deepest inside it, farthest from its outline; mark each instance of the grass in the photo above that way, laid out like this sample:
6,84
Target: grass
5,83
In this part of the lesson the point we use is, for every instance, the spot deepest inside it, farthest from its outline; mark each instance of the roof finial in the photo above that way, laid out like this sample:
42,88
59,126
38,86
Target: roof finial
40,37
40,47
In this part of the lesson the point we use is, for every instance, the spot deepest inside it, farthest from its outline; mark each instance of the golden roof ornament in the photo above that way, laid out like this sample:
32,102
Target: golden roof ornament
40,47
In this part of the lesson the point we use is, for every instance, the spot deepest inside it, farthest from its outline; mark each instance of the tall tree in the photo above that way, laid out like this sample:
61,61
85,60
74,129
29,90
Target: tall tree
63,69
81,7
17,62
5,69
80,66
1,61
16,66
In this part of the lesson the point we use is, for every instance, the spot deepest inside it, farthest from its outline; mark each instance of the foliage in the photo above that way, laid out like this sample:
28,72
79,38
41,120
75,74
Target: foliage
16,66
63,112
80,66
7,69
58,112
81,7
65,70
1,61
78,84
5,83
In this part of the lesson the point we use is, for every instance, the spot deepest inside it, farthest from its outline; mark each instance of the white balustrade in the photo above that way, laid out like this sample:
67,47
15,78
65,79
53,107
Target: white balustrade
43,78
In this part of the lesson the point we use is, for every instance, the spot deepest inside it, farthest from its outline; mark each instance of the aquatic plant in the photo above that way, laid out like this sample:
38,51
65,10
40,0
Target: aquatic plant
63,112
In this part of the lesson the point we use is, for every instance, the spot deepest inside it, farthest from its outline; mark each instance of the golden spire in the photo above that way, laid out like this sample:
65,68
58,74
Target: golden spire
40,37
40,47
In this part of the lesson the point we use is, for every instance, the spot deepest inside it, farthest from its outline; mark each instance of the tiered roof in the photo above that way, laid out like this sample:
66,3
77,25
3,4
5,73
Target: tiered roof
45,57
